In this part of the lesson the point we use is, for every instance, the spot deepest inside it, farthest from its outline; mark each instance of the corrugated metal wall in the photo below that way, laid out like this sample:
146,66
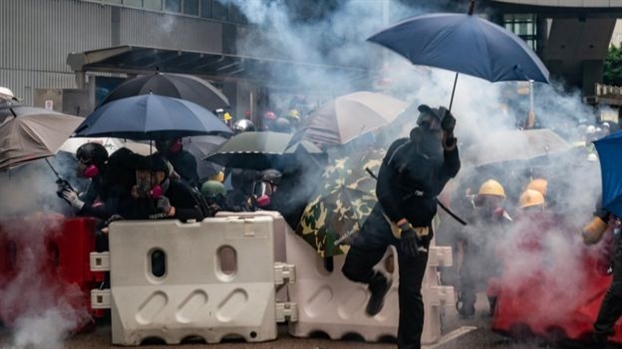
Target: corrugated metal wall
37,36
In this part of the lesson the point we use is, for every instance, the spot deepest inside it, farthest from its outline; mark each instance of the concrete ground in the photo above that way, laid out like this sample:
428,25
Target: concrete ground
459,334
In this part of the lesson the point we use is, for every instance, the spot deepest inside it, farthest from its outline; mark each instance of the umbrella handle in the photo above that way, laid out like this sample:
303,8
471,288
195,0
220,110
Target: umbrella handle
453,92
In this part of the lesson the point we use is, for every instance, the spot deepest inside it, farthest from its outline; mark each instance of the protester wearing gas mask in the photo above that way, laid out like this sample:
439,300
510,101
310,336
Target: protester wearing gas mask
413,173
157,196
184,163
265,188
107,183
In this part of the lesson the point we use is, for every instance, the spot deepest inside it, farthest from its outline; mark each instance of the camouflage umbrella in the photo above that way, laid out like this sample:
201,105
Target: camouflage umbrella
330,221
345,200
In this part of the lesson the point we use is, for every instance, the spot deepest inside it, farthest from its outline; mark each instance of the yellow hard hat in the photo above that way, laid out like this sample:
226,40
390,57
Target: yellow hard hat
492,187
530,198
227,116
294,114
219,177
538,184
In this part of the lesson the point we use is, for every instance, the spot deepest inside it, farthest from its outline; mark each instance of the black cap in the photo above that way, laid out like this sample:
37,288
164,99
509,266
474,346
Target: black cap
432,111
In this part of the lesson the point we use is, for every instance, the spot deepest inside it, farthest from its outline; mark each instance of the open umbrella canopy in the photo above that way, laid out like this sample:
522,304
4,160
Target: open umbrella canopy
514,145
465,44
24,138
609,150
111,144
347,117
346,196
200,147
186,87
151,117
259,151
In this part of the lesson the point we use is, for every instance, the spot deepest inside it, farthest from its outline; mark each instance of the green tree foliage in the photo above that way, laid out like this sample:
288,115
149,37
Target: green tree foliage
613,66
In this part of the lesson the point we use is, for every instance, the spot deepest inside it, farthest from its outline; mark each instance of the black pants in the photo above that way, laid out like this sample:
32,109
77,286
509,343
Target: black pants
367,250
611,308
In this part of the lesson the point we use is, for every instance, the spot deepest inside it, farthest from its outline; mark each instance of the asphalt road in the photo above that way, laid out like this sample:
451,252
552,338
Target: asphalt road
459,334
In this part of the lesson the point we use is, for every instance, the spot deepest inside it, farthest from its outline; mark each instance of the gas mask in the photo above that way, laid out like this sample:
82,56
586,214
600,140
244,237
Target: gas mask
170,146
87,169
147,186
263,191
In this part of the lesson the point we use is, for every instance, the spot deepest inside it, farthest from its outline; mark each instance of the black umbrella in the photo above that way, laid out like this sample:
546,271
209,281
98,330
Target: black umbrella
186,87
151,117
200,147
260,151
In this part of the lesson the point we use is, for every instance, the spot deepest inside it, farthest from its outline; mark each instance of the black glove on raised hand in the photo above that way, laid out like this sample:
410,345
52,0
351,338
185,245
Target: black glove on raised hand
449,122
61,186
409,242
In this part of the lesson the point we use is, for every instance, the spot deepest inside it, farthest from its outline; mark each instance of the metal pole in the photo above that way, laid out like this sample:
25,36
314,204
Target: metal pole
453,92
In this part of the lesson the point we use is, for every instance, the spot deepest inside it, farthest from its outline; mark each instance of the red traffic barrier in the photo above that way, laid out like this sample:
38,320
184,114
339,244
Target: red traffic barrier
45,264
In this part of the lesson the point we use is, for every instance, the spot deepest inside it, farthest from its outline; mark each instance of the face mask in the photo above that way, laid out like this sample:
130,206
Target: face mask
175,147
90,171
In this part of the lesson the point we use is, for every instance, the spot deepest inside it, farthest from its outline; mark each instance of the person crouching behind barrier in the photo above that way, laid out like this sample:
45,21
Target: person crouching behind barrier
413,173
156,196
214,193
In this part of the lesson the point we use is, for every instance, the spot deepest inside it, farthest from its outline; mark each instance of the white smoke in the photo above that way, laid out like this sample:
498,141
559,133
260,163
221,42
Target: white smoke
482,108
40,307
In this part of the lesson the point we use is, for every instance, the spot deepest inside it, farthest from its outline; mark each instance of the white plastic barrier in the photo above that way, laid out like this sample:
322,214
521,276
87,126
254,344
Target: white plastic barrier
280,229
194,296
434,295
330,303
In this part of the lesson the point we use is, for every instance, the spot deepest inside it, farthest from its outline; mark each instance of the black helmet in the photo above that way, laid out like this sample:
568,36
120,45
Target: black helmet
271,176
92,153
243,125
282,125
428,114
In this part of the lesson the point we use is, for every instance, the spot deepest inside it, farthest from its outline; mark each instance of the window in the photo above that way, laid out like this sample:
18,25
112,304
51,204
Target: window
135,3
219,11
172,5
191,7
206,8
525,26
153,4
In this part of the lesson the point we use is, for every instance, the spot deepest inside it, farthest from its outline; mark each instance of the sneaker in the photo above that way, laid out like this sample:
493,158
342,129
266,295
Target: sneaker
378,286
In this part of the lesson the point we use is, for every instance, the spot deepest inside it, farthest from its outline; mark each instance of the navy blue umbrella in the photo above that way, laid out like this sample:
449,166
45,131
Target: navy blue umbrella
609,150
466,44
151,117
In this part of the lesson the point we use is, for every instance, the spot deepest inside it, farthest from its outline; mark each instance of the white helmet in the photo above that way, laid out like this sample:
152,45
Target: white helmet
590,129
6,93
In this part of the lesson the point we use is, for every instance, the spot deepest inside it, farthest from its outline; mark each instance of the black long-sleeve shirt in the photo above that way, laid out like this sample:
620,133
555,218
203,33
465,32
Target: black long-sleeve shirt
411,176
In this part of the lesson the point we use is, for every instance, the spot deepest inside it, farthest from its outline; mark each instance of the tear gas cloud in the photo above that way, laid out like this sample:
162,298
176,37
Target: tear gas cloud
29,209
338,38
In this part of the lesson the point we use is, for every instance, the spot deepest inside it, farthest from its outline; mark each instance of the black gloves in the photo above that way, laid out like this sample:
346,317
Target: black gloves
449,122
408,240
164,205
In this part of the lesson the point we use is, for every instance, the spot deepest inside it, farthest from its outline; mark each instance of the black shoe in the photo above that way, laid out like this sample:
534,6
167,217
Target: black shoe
378,286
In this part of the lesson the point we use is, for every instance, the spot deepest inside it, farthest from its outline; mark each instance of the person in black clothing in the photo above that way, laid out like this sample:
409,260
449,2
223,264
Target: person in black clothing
111,180
184,163
413,172
156,196
611,307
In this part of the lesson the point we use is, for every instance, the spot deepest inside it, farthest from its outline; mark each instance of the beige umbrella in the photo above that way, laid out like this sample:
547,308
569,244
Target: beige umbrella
24,138
347,117
515,145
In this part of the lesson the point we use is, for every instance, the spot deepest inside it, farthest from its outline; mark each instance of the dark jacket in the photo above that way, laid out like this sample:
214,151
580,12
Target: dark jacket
114,184
180,196
411,176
